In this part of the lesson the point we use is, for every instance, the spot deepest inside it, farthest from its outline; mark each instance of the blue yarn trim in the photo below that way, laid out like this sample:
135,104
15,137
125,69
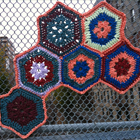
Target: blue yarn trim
111,34
4,114
23,72
97,68
132,78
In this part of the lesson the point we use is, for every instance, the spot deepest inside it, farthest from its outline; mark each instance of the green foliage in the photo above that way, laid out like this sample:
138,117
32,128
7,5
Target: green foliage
64,98
4,74
4,85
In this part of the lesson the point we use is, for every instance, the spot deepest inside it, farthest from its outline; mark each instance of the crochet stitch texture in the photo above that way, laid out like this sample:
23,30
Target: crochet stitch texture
38,70
60,29
22,111
81,69
121,67
104,26
73,50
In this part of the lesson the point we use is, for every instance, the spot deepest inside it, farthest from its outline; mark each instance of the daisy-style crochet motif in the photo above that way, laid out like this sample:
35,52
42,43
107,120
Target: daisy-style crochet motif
60,29
81,69
104,26
121,67
38,70
22,112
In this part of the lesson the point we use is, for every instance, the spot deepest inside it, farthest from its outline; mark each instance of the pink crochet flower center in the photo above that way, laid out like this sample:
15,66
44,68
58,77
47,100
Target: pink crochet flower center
102,30
114,73
90,73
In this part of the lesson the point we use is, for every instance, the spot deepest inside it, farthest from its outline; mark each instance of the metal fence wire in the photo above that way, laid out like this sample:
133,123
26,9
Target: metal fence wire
101,113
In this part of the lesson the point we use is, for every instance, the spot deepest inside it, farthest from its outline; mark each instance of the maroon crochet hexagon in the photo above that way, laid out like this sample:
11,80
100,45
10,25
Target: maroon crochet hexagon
22,110
122,67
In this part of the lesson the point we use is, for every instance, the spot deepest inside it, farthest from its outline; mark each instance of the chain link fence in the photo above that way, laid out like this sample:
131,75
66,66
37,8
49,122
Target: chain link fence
101,113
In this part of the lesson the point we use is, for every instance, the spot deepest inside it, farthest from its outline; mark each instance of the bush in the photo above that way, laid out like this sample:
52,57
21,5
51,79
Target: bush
4,73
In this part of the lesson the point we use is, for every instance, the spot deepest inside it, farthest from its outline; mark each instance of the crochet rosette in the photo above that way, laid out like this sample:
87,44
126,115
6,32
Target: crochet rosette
81,69
104,26
22,112
60,29
38,70
73,50
121,67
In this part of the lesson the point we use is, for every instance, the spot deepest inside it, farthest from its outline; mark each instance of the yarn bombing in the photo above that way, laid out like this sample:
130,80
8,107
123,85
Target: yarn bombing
104,26
81,69
22,111
73,50
38,70
60,29
120,68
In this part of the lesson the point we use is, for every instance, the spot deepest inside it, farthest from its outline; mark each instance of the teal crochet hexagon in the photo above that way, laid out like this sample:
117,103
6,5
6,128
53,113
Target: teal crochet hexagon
22,111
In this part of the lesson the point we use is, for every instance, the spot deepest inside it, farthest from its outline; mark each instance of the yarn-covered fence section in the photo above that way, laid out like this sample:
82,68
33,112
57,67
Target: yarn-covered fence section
80,78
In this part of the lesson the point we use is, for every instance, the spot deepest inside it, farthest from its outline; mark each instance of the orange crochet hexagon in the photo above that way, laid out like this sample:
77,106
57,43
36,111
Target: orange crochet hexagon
81,69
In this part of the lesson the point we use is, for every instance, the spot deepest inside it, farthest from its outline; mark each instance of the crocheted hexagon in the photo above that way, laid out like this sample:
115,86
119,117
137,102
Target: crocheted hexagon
121,67
22,112
59,29
104,26
81,69
38,70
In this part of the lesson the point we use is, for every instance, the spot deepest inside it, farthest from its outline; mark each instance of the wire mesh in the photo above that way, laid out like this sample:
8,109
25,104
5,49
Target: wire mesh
101,113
